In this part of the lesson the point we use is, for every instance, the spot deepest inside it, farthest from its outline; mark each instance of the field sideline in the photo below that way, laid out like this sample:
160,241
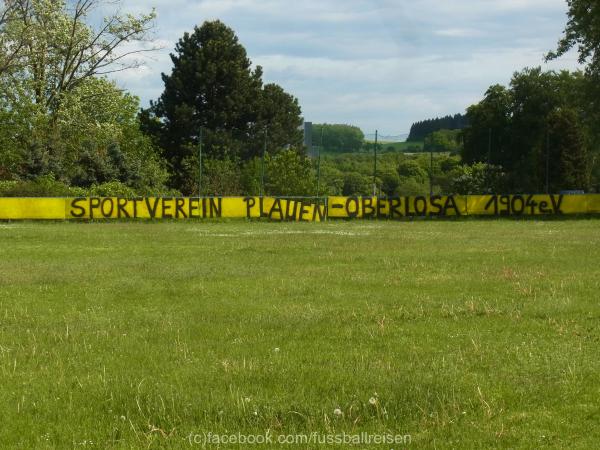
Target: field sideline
461,334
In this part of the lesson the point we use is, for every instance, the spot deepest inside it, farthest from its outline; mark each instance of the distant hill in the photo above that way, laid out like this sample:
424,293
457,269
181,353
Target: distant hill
420,130
384,138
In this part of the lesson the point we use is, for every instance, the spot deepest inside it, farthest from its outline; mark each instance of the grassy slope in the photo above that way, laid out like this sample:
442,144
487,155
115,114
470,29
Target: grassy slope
398,146
473,334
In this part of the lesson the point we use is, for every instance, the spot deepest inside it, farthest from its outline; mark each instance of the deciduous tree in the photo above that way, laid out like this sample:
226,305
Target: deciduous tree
338,137
55,103
569,167
509,127
582,32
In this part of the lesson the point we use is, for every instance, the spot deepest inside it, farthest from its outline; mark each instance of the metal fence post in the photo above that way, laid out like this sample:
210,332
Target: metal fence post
262,175
375,166
200,164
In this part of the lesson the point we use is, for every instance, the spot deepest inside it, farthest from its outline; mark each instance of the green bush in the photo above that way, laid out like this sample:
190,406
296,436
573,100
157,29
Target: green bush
332,180
389,182
112,189
47,186
412,187
162,192
6,186
356,184
43,186
478,179
250,176
289,173
221,177
410,168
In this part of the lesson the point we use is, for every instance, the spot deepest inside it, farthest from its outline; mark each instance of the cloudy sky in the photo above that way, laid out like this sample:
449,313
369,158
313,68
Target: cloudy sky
378,64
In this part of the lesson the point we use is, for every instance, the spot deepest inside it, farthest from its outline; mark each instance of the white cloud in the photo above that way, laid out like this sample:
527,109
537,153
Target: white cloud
458,32
378,64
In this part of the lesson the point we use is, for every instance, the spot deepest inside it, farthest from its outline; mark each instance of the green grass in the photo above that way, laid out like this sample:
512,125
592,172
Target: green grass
399,146
467,334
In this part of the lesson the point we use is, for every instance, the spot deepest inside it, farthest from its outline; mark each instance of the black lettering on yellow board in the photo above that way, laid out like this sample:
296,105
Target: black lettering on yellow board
335,206
276,208
381,205
556,203
281,209
121,206
398,207
352,207
395,204
291,210
436,206
516,205
179,205
530,204
420,205
368,210
451,204
304,215
250,203
135,206
320,213
152,208
77,211
107,211
94,204
216,207
193,206
166,207
261,203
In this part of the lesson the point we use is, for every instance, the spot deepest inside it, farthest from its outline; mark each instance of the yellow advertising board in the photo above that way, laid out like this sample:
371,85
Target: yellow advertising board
532,205
395,207
32,208
287,209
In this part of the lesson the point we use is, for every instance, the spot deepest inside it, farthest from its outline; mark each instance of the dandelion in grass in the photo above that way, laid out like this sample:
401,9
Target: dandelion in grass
276,350
337,412
373,401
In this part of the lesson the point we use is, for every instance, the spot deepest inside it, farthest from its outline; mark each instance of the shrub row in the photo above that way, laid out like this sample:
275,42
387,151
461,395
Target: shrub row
47,186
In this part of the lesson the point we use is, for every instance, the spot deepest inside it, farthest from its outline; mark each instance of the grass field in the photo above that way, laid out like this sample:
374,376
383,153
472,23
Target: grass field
462,334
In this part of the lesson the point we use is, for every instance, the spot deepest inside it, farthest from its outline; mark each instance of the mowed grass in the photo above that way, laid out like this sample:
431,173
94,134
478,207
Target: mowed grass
462,334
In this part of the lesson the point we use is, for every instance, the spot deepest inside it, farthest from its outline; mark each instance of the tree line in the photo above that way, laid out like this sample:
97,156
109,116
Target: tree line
338,138
63,120
420,130
538,132
218,129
